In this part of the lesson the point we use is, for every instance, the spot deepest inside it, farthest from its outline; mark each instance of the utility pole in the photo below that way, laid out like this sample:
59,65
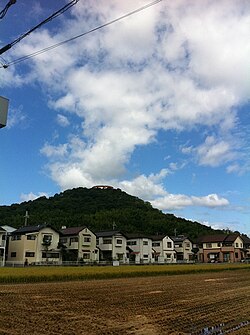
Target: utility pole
4,104
26,216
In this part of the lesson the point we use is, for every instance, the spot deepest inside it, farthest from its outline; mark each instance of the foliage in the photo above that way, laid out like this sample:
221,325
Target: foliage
100,209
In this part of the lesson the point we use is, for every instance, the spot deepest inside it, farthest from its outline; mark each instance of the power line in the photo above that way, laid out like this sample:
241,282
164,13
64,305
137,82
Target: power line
36,53
50,18
5,10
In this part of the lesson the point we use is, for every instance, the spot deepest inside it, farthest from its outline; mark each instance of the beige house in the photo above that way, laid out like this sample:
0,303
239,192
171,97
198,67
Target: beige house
221,248
163,249
112,246
3,245
79,244
34,245
183,247
139,248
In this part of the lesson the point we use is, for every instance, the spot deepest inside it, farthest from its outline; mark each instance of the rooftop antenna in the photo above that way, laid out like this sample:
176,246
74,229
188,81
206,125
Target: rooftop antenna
26,216
175,232
114,226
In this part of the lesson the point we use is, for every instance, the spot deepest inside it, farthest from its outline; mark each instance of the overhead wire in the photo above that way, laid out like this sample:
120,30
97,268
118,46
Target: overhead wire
36,53
5,10
50,18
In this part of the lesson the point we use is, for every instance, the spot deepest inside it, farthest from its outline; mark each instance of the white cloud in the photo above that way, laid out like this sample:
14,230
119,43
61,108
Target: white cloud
175,66
32,196
179,201
62,120
17,118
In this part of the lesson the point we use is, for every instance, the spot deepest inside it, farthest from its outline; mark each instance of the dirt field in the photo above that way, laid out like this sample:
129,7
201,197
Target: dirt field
183,304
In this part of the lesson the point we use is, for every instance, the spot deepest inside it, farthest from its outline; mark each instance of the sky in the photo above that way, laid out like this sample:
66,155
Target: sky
156,104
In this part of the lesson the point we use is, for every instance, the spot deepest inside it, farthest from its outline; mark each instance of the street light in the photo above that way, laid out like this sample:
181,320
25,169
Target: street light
4,104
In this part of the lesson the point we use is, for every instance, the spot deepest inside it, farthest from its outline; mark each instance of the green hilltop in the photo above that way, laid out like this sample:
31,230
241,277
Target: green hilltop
100,209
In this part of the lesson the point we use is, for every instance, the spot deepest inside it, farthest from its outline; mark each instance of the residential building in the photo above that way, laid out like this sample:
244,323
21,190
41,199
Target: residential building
5,232
112,246
221,248
163,249
34,244
79,244
139,248
183,247
246,247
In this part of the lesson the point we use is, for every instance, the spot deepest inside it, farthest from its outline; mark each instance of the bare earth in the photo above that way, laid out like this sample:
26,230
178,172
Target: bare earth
183,304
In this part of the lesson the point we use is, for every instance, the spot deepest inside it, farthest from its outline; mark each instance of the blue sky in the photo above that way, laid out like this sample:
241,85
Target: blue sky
156,104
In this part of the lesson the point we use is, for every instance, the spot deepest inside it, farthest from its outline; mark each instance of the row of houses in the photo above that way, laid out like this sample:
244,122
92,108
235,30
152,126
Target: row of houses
43,244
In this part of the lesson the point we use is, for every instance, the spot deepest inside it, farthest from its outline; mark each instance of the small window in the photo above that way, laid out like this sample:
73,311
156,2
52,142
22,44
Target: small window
3,237
208,245
218,244
87,239
31,237
145,256
156,244
118,241
29,254
63,240
236,255
16,238
168,255
47,238
145,242
73,240
107,241
169,245
86,255
131,243
236,245
13,254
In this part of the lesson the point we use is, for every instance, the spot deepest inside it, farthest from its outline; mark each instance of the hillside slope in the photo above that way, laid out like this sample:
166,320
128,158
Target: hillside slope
99,209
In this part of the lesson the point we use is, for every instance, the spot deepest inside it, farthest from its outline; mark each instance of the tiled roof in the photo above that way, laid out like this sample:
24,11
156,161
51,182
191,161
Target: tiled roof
108,233
131,236
72,230
217,238
158,237
31,229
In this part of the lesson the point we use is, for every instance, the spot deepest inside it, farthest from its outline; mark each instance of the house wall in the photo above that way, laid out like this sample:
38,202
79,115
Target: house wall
184,248
164,252
142,249
32,249
117,247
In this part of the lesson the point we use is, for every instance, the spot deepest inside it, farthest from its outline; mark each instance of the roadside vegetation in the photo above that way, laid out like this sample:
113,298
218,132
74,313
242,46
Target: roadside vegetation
60,274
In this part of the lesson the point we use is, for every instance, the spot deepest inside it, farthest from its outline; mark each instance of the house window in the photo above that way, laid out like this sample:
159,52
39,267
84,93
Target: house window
131,243
47,238
156,244
63,240
29,254
168,255
107,241
13,254
3,237
73,240
145,242
87,239
145,256
86,255
208,245
236,245
241,245
118,241
236,255
169,245
31,237
16,238
50,255
187,245
218,244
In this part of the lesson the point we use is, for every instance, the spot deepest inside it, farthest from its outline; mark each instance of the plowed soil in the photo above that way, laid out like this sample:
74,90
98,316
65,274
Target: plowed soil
184,304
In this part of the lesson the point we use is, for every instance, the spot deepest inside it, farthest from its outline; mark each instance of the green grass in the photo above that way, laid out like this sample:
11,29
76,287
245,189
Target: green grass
54,274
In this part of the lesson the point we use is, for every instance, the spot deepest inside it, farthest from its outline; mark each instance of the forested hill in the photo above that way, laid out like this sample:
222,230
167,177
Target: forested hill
99,209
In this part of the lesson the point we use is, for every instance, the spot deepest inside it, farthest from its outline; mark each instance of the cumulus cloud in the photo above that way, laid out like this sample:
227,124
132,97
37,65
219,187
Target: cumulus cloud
62,120
179,201
176,66
32,196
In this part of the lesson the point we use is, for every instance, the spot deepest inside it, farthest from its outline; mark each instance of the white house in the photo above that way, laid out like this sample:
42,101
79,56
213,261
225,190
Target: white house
139,248
183,247
5,232
112,246
163,249
79,244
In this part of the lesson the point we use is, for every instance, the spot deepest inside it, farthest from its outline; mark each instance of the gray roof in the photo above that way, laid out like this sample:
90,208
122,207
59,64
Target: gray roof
109,233
32,229
71,231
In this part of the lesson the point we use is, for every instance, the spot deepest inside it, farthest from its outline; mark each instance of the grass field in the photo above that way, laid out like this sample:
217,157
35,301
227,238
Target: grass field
55,273
207,303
